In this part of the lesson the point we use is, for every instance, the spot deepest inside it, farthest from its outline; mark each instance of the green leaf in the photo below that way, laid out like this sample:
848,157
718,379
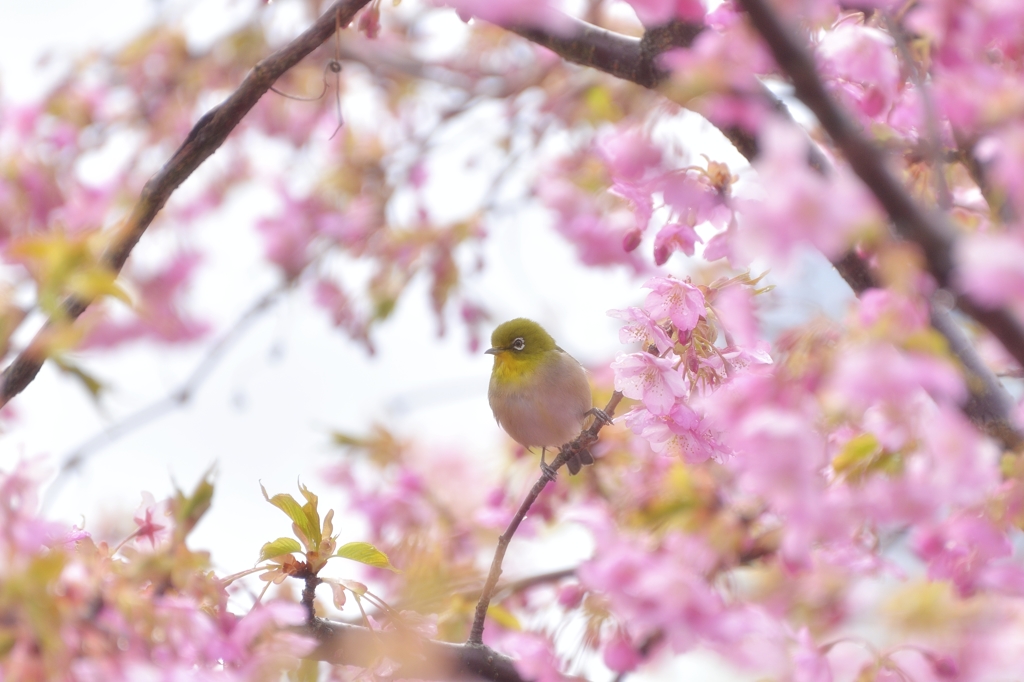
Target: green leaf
503,617
365,553
287,504
93,385
309,671
310,510
95,283
857,452
343,439
278,547
188,510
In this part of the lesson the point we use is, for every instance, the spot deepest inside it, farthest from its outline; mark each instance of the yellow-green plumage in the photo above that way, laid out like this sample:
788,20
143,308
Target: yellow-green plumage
539,393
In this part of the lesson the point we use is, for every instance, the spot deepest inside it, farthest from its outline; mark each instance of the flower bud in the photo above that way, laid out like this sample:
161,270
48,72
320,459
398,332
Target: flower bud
632,240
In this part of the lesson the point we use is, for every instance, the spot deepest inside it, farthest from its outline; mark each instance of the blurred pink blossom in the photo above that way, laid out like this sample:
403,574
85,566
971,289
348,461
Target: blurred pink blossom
861,61
990,268
799,206
628,154
657,12
158,313
639,327
967,549
809,662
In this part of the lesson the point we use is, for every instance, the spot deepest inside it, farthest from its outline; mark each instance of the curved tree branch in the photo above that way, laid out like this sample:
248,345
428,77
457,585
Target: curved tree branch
930,230
635,60
205,138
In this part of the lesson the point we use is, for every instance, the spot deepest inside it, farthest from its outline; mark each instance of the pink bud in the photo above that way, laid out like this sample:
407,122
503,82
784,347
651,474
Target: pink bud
620,655
369,22
944,666
632,240
661,254
571,596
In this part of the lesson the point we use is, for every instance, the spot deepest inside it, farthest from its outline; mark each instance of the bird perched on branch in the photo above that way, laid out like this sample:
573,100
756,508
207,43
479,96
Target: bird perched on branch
539,394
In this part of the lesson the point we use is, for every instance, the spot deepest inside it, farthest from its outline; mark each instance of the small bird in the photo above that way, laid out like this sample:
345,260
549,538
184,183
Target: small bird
539,393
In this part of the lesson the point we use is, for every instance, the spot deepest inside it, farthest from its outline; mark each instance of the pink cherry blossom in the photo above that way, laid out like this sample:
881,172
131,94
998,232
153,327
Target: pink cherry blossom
598,238
656,12
653,380
628,154
159,313
734,306
1002,151
534,656
659,589
798,206
879,373
697,196
861,60
639,327
21,530
152,520
679,434
724,60
990,268
530,12
621,655
675,300
674,237
962,549
809,662
887,307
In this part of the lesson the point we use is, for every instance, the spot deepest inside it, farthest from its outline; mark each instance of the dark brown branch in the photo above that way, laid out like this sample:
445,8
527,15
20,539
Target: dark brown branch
598,48
417,657
988,403
205,138
582,442
929,229
636,60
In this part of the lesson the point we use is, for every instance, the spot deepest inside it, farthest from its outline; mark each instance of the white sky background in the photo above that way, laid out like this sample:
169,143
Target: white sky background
265,412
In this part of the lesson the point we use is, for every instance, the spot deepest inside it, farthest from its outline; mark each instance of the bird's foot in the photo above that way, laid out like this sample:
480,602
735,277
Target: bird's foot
600,415
549,472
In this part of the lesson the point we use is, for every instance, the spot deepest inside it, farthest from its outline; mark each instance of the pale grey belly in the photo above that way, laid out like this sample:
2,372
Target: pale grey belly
548,417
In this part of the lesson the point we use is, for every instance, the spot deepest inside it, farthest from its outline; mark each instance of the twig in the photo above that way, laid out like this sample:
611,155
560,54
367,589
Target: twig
203,140
933,140
523,584
625,57
931,230
582,442
310,582
172,401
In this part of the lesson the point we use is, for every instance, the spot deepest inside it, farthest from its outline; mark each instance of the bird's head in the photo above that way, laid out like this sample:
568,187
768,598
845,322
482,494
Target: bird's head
520,338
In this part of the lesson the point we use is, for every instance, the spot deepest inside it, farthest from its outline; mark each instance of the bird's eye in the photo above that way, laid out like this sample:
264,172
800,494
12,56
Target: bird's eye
519,344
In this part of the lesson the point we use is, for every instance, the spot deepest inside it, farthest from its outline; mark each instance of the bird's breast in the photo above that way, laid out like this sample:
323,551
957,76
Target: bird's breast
543,407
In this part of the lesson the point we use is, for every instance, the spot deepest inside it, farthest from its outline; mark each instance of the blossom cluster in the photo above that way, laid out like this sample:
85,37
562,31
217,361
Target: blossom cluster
822,502
75,608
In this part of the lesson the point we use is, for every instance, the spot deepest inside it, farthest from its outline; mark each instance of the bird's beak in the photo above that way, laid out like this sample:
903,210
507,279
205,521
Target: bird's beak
492,351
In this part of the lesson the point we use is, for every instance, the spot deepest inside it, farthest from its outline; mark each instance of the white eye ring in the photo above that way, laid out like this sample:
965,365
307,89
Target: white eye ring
519,344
